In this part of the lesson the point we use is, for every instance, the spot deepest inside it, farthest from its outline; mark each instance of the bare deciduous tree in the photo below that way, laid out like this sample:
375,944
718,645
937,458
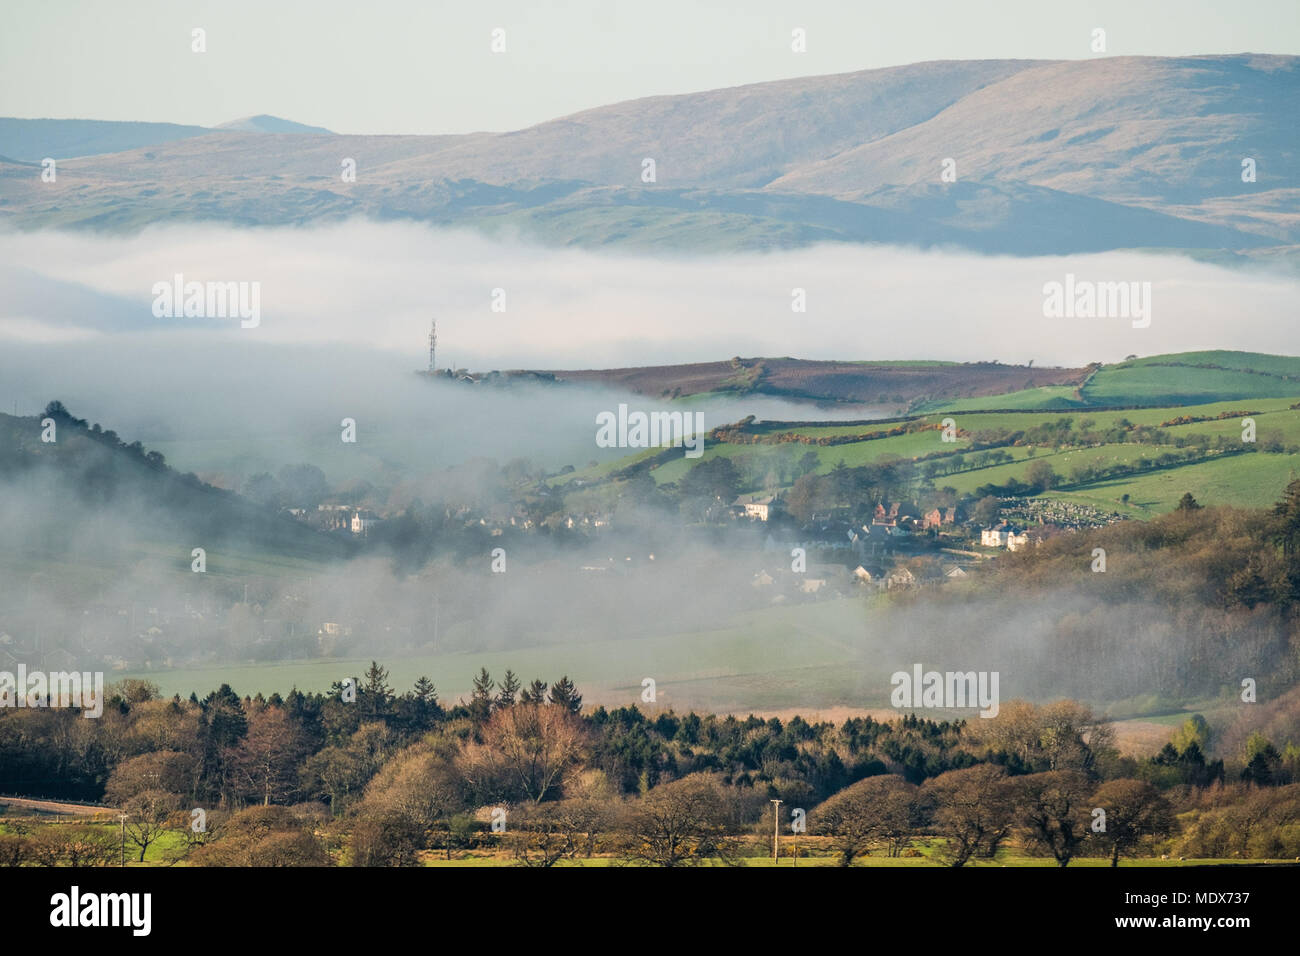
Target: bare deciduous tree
973,809
1053,810
681,823
525,752
883,809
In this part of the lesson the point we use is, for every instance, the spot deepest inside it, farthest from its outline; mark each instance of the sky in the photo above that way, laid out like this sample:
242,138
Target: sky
421,66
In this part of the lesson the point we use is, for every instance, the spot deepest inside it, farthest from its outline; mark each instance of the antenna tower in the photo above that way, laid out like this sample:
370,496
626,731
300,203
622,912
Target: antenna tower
433,344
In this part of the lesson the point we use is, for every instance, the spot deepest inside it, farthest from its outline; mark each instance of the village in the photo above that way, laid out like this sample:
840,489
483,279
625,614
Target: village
902,545
829,557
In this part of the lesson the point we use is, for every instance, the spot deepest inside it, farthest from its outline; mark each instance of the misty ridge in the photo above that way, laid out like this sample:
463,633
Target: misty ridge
99,543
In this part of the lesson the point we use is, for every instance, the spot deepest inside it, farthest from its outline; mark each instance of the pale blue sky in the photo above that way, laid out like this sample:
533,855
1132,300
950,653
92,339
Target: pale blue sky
423,66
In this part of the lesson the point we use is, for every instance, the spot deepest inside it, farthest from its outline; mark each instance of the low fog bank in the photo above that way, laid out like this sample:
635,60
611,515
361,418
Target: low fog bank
1065,642
102,578
377,285
103,572
227,411
98,571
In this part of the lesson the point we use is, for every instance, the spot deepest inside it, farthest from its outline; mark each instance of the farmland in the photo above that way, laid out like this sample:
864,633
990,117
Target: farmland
1238,471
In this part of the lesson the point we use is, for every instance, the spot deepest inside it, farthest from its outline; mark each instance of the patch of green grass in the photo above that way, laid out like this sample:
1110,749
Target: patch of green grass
1046,397
771,658
1244,481
1151,382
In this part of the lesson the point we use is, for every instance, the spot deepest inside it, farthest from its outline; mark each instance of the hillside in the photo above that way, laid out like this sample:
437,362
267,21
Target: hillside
885,383
925,386
89,502
32,140
1133,462
262,123
1052,157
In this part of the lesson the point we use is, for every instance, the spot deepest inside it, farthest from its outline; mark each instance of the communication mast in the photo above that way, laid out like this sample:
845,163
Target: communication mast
433,344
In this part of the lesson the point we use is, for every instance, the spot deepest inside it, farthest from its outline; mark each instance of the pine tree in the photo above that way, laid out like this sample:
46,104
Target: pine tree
1288,513
509,690
425,692
480,699
564,693
376,696
419,710
534,693
223,722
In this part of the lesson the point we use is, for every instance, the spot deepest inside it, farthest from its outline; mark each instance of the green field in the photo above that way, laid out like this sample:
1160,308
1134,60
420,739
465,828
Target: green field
169,850
1188,377
1043,398
1254,479
769,659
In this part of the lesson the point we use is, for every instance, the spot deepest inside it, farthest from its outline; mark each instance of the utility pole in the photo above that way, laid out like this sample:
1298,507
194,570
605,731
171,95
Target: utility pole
122,817
776,828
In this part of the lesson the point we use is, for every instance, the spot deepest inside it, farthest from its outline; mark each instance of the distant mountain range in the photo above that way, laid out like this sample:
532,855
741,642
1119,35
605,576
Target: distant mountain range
263,123
1049,157
32,140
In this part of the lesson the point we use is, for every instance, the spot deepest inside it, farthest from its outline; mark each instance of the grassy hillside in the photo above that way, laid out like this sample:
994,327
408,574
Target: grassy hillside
1194,377
1249,479
775,657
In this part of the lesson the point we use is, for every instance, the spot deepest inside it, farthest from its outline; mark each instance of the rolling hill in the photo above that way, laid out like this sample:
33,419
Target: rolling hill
31,140
1149,443
920,386
1051,157
89,501
883,383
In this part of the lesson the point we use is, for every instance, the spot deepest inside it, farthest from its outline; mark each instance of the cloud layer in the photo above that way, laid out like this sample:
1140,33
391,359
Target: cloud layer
367,286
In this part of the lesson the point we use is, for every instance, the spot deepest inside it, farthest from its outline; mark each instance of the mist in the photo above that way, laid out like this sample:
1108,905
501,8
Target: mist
368,285
345,312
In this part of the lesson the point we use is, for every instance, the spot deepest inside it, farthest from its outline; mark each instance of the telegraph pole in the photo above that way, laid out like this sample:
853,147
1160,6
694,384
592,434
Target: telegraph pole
776,828
122,817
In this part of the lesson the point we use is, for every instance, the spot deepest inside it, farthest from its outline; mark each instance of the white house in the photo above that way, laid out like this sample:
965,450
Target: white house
363,521
900,578
994,537
755,506
1017,539
863,575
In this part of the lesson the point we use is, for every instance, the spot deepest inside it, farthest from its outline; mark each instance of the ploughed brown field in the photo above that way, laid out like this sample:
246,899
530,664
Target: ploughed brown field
830,381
